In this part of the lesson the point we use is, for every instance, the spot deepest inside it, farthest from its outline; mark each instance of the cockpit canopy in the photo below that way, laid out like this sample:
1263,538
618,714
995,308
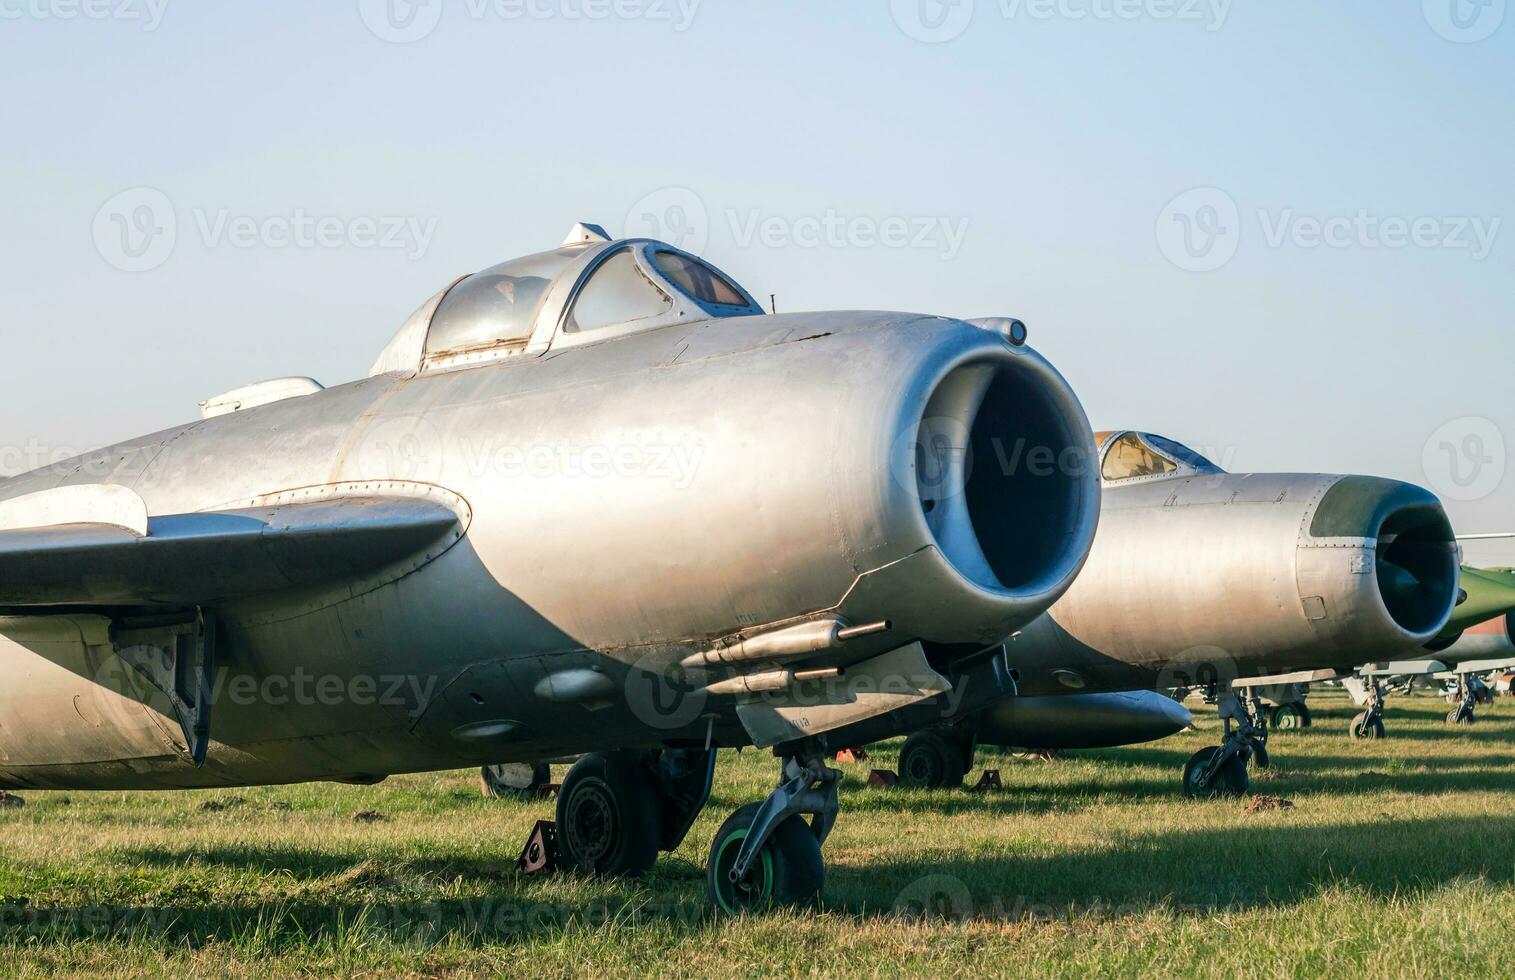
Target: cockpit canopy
1141,455
588,289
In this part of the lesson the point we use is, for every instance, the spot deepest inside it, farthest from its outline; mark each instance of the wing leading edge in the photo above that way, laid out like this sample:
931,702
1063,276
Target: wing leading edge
306,539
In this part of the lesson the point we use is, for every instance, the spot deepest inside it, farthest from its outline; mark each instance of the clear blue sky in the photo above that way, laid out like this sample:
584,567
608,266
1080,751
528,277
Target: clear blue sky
1039,151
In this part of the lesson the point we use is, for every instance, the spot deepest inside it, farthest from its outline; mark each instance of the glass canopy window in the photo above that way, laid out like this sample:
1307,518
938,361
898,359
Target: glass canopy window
496,307
617,292
699,281
1180,452
1128,457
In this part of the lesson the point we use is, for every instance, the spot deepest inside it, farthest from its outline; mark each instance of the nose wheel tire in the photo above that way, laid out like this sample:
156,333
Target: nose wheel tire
514,780
1460,715
1229,781
1366,726
608,818
931,761
788,871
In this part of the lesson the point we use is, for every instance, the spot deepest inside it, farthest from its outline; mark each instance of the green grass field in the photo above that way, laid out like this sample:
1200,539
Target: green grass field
1396,859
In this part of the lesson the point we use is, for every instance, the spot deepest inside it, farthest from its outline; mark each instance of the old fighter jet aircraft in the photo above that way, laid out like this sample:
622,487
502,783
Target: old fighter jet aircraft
481,553
1201,578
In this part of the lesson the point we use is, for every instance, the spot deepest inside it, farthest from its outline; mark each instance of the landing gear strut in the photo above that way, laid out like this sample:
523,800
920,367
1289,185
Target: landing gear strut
1221,771
1369,722
766,855
1467,700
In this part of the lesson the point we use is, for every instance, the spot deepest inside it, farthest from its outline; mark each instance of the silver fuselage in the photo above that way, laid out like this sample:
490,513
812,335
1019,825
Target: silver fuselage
1208,577
747,472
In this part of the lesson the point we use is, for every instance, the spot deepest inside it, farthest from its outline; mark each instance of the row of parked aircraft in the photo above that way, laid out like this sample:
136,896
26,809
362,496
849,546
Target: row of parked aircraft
481,554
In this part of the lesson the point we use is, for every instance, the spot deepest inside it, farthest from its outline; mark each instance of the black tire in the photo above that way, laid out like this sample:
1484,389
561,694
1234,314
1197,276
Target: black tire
788,873
1366,726
1461,715
930,760
1287,717
514,781
1231,781
1305,719
1260,757
608,816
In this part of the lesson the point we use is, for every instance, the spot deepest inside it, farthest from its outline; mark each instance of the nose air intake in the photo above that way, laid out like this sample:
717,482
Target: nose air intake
1004,475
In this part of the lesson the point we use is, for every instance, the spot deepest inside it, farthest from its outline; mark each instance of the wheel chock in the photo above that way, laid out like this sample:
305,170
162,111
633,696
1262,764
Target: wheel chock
852,756
548,791
883,779
989,781
540,856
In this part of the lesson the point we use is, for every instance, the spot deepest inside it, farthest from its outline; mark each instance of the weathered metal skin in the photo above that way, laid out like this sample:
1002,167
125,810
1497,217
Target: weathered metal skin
747,472
1200,575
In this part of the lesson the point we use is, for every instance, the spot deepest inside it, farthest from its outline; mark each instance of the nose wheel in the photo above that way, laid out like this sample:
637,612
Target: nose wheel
1467,700
1368,723
766,854
787,872
1216,773
1221,771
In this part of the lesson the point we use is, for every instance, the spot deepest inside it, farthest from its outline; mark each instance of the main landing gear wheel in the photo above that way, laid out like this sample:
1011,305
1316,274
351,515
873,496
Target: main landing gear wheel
608,817
929,760
514,780
788,870
1366,725
1206,777
1291,716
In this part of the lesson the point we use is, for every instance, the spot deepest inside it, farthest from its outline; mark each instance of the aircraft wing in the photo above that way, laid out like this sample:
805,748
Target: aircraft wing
96,546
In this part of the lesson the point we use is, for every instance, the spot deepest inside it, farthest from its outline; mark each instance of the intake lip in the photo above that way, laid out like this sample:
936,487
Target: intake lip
1415,550
990,496
1003,471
